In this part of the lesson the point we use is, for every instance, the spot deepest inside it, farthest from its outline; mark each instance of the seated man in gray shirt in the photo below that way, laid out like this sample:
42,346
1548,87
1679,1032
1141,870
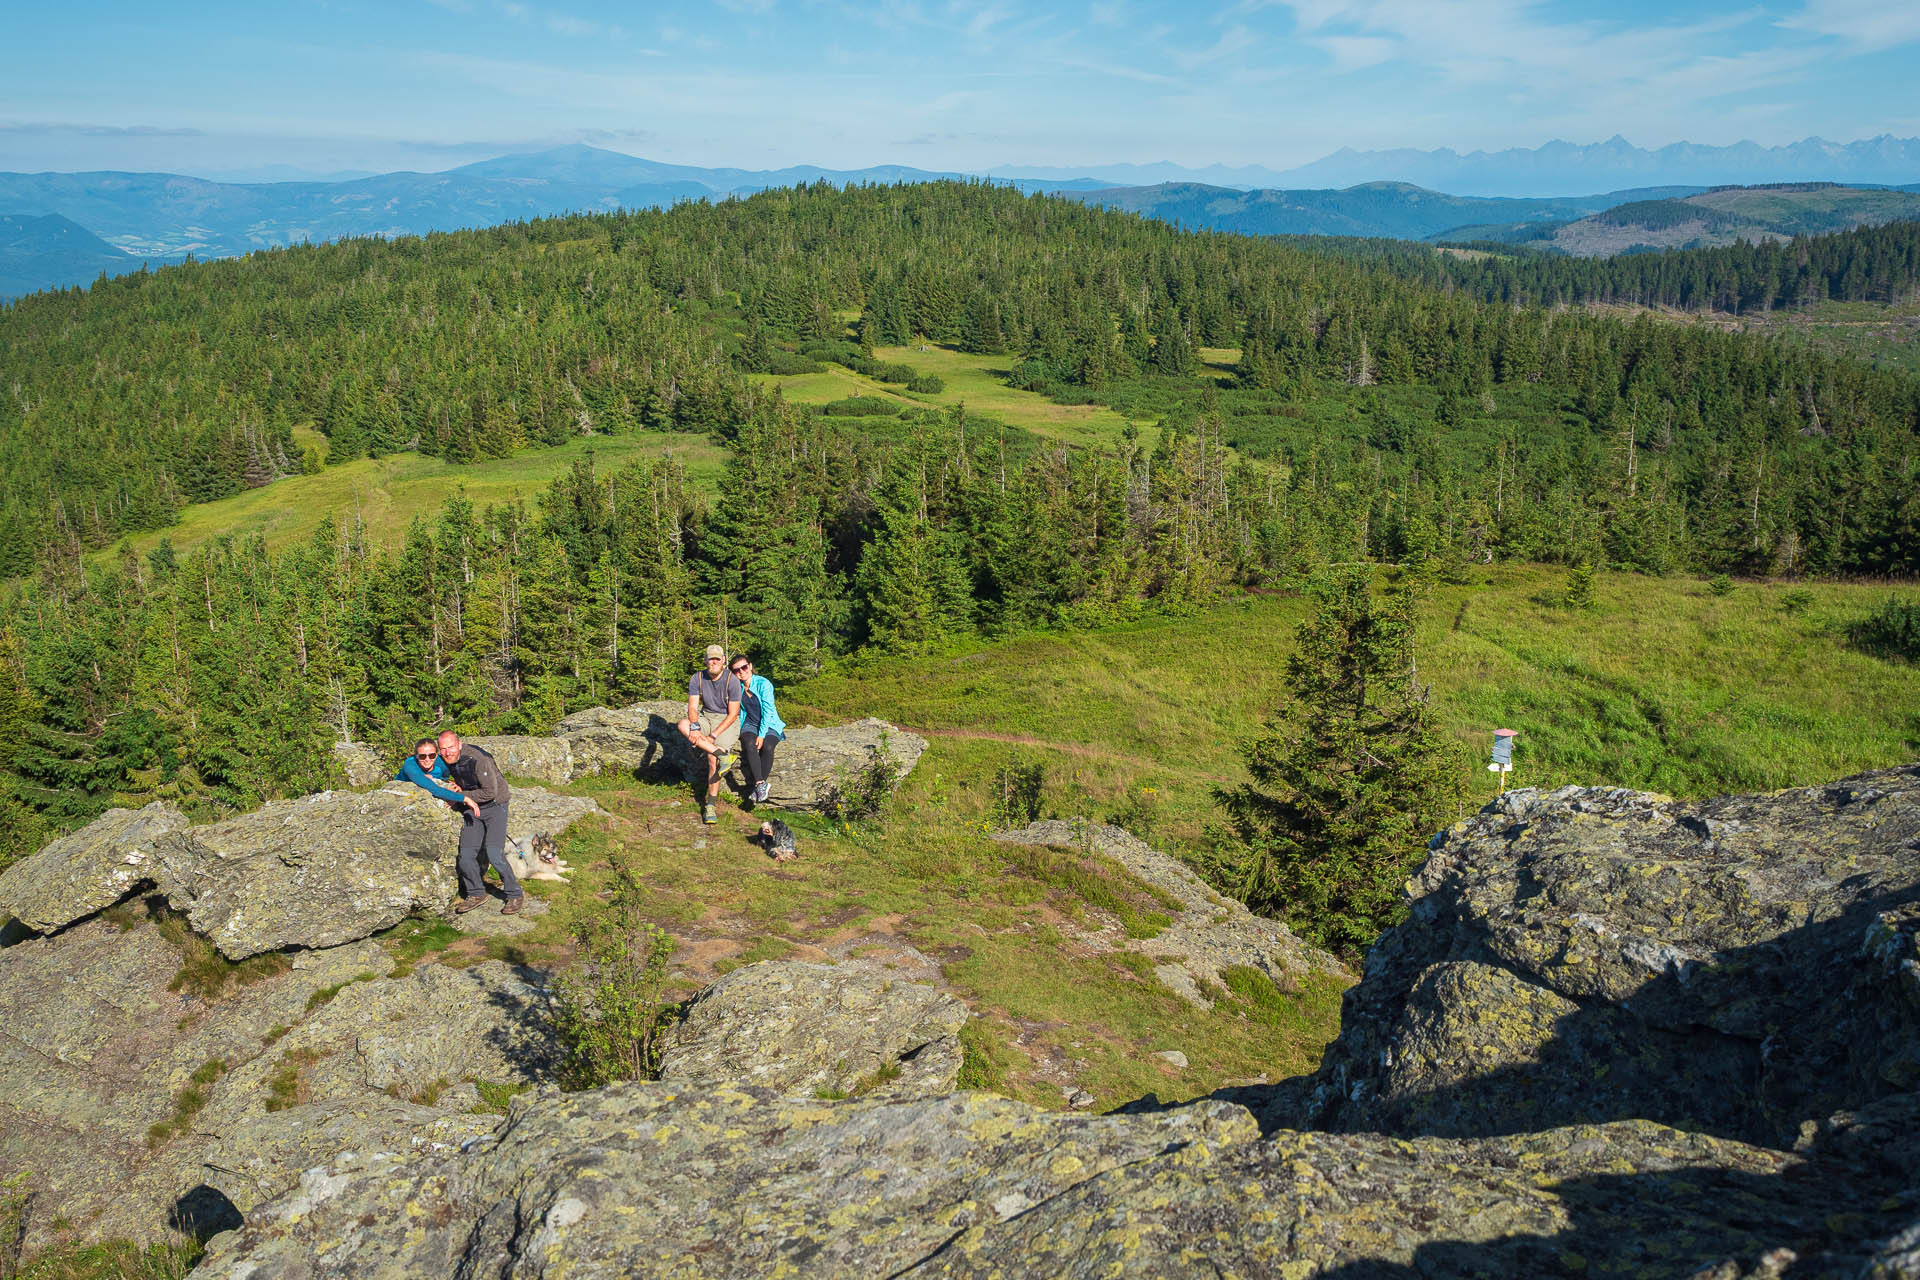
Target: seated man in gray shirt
713,721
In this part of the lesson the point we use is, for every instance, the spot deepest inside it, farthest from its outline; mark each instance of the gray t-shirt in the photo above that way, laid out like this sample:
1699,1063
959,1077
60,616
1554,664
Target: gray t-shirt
714,694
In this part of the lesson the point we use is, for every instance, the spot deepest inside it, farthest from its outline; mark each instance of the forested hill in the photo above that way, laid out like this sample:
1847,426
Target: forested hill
1870,264
185,384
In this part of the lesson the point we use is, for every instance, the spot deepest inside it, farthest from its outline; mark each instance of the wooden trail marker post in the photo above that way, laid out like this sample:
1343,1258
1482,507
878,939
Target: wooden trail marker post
1502,756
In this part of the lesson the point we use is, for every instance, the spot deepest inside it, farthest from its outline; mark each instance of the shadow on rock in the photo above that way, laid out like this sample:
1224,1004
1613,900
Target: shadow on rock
203,1213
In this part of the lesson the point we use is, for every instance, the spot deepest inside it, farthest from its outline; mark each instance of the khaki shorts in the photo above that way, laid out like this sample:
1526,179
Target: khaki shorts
710,724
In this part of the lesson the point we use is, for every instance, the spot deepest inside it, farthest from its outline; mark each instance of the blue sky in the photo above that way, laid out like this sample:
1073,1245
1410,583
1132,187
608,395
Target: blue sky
326,85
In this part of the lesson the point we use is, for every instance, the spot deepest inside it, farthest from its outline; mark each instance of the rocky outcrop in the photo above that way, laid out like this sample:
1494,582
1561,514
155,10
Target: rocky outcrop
90,870
1744,966
818,1029
134,1099
723,1182
639,741
314,872
1208,932
810,766
265,1155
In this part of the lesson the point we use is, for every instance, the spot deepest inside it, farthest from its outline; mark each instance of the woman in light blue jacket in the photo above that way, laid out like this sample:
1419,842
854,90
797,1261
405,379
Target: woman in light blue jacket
761,727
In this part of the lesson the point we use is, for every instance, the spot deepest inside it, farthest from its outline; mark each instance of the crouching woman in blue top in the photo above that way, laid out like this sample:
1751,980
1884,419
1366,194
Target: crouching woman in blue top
761,727
426,770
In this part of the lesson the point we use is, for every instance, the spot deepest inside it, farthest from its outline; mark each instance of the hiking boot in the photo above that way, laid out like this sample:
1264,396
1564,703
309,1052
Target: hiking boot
465,905
760,791
727,761
710,815
511,907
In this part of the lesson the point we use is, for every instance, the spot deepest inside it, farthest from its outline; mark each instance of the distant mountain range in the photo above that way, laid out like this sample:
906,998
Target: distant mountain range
160,217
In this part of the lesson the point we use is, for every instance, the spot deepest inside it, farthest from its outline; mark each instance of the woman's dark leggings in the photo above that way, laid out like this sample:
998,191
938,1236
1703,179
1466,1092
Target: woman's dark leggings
758,762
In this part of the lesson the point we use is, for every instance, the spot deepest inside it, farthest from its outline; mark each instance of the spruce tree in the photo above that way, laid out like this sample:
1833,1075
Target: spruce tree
1348,785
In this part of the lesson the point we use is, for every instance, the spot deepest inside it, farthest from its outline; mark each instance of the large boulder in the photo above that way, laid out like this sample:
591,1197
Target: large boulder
1745,966
412,1038
314,872
811,1029
264,1155
810,768
1207,932
90,870
639,741
535,811
527,756
657,1180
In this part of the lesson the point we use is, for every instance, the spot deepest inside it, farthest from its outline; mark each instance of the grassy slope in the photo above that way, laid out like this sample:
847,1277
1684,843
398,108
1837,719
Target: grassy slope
975,381
1761,214
388,492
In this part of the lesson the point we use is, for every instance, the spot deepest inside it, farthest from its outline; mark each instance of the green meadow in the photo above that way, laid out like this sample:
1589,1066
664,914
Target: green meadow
387,493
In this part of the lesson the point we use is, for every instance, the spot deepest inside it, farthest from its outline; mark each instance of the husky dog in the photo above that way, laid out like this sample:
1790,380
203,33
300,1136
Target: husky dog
776,837
536,858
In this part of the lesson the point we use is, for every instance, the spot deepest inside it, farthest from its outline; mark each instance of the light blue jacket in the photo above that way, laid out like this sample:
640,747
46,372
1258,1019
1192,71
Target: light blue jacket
758,716
412,772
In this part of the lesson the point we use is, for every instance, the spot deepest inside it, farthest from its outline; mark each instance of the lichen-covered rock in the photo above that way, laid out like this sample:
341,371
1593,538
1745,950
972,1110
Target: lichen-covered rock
262,1156
90,870
1208,931
1743,965
410,1037
655,1180
535,811
527,756
95,1050
639,740
362,764
314,872
811,1029
809,767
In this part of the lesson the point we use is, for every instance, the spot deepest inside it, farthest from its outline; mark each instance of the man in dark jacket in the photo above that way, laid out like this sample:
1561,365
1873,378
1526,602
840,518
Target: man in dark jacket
481,827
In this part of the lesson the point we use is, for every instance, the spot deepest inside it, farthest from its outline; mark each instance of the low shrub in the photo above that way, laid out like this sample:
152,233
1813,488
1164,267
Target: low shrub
1890,631
865,793
861,407
1014,793
609,1011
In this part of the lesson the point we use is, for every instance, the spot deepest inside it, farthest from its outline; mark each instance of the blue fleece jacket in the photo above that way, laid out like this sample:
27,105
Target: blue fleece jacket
758,716
424,779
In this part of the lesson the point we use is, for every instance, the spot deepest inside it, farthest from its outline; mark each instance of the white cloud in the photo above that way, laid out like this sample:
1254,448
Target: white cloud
1866,24
1351,53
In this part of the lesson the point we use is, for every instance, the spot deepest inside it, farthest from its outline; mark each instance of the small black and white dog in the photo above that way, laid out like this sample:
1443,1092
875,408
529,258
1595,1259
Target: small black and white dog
776,837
